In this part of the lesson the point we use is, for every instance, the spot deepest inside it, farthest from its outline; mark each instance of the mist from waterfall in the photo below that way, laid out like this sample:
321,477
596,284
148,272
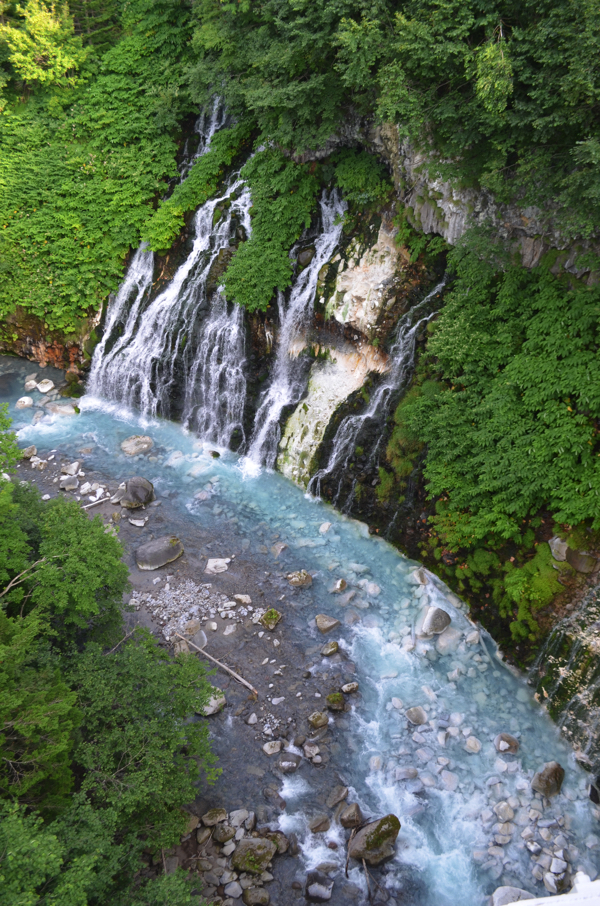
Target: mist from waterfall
287,382
346,438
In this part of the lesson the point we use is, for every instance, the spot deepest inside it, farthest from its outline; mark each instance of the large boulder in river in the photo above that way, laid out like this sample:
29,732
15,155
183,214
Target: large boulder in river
436,620
138,492
549,780
159,552
376,841
253,854
136,444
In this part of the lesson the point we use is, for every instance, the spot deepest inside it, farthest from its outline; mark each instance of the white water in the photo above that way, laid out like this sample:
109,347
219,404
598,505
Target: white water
287,384
378,408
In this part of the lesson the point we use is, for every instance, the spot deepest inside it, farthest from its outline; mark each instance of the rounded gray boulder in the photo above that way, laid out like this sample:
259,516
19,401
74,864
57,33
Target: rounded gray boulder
138,492
159,552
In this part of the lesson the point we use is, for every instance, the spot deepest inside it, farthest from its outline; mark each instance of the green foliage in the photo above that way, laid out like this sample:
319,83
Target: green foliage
529,588
80,168
44,50
417,242
201,182
361,177
514,429
283,197
9,449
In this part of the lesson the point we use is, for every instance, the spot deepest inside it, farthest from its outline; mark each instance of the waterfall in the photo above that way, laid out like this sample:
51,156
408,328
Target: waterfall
206,125
287,384
378,408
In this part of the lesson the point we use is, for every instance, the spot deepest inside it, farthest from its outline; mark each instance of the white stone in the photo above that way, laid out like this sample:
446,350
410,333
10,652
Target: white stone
30,385
243,599
216,702
24,402
70,468
448,641
217,565
473,745
449,780
45,386
272,747
212,626
252,720
397,703
324,527
229,630
233,890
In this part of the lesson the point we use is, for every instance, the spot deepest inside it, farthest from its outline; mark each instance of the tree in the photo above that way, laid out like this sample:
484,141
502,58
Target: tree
44,50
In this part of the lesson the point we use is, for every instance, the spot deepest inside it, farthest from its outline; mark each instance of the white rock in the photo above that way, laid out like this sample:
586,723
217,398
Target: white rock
217,565
375,763
70,468
557,546
45,386
503,896
473,745
448,641
243,599
504,811
472,638
24,403
449,780
324,527
216,702
61,408
277,701
397,703
272,747
212,626
229,630
30,385
252,720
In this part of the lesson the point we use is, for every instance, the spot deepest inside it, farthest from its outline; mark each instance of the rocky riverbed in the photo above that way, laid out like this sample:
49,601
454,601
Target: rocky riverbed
375,695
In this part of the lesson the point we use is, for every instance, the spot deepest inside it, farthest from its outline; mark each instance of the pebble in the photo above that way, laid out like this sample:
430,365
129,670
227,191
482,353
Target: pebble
473,745
272,747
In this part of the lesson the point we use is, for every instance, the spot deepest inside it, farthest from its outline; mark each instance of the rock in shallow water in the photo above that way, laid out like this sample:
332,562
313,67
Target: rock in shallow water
318,887
136,444
375,842
549,780
300,579
351,816
256,896
436,620
138,492
502,896
326,623
417,715
506,743
159,552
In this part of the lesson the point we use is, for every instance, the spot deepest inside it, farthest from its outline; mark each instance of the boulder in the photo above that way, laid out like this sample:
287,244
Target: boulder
25,402
330,649
256,896
223,832
558,548
338,794
214,816
320,824
279,839
253,854
340,586
30,385
503,896
233,889
216,702
506,744
300,579
61,408
349,688
417,715
202,835
136,444
376,841
318,719
581,561
325,623
549,780
318,887
436,620
28,452
351,816
336,701
159,552
272,747
70,468
45,386
138,492
289,762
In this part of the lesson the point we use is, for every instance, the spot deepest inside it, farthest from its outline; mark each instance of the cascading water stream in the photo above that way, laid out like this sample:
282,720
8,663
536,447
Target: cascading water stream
162,355
287,385
402,358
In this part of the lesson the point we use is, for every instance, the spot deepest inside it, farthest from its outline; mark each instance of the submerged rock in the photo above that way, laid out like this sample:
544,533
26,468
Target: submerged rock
136,444
330,649
159,552
549,780
138,492
417,715
375,842
325,623
506,743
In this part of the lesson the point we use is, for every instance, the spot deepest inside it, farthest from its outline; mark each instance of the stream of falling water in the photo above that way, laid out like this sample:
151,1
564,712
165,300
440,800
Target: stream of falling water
287,384
402,356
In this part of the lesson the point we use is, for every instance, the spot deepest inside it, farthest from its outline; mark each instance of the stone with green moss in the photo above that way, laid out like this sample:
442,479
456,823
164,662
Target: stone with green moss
270,619
376,842
330,649
253,854
336,701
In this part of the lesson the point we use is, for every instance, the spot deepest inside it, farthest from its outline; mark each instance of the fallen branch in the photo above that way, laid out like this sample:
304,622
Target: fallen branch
235,675
349,842
96,502
122,640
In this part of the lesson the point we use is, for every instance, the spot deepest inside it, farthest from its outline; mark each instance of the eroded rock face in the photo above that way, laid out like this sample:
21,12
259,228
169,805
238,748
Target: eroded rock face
159,552
375,842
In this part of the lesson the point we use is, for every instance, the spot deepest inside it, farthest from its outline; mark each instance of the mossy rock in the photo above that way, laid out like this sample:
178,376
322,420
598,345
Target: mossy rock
270,619
336,701
253,854
376,842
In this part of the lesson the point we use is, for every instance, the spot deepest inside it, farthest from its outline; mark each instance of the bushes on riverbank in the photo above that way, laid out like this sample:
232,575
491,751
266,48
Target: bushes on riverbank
97,752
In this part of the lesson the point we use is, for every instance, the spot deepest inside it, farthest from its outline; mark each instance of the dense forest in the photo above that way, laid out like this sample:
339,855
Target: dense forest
96,100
